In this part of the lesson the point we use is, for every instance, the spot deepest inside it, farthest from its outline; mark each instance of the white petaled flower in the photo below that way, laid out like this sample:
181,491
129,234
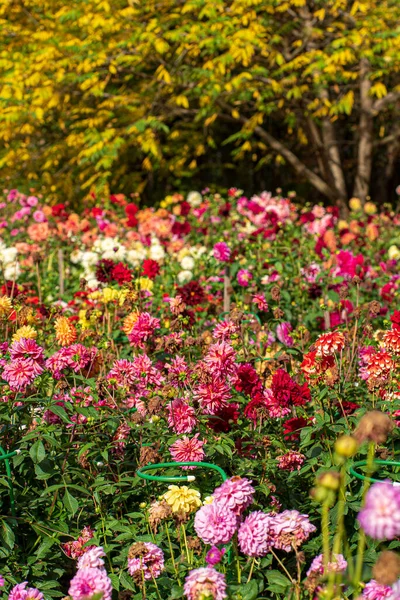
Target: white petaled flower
394,253
156,252
12,271
194,198
8,255
185,276
187,263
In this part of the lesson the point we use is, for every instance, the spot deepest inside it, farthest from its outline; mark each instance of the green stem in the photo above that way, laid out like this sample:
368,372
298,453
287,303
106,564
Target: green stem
188,555
172,554
251,570
325,534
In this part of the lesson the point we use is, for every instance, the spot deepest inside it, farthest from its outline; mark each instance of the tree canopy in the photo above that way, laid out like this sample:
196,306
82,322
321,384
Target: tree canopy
99,95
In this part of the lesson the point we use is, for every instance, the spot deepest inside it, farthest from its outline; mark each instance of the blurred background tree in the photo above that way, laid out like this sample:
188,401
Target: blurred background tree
154,95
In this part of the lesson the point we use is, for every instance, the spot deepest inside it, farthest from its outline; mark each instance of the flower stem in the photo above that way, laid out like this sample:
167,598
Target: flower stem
172,554
251,570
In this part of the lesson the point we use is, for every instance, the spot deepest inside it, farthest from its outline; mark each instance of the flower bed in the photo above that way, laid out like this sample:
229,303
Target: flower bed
250,335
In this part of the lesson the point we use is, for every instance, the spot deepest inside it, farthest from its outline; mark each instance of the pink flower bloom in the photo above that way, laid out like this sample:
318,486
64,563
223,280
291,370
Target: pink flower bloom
26,348
92,559
235,494
124,373
283,333
260,301
337,565
77,548
290,461
21,592
205,583
380,517
244,277
181,416
2,582
220,359
21,373
213,396
144,371
290,529
152,563
143,329
254,534
225,330
214,556
215,524
187,450
178,371
376,591
89,581
222,252
32,201
39,216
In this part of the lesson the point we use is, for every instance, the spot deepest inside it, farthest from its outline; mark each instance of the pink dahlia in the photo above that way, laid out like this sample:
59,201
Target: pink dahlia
90,581
254,534
225,330
21,373
244,277
205,583
143,329
93,559
290,529
283,333
213,396
150,561
187,449
214,556
376,591
181,416
21,592
260,301
178,371
291,461
215,524
2,582
220,359
26,348
337,565
235,494
123,372
380,517
222,252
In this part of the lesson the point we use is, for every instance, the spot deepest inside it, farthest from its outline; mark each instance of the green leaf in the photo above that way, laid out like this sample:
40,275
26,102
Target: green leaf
249,591
70,503
7,535
60,412
37,452
277,582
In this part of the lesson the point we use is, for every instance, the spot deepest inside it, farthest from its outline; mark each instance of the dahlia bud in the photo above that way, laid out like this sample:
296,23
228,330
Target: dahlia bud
387,568
322,495
346,446
329,480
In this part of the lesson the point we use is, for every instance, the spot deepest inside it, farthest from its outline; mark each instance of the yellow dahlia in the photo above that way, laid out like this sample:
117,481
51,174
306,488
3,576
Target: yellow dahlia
5,306
182,499
65,331
145,284
26,332
130,321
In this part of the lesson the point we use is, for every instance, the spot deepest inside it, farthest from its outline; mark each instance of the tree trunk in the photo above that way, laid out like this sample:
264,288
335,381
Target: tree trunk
333,155
366,128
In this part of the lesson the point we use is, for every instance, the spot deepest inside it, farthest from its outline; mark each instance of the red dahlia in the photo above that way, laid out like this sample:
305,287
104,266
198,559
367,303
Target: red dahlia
151,268
191,293
104,270
121,274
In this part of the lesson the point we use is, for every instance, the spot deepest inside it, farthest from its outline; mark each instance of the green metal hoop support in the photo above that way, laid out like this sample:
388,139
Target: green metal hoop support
363,463
142,472
6,456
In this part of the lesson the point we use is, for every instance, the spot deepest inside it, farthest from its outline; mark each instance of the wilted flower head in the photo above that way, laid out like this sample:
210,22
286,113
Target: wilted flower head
205,584
182,499
374,426
147,559
290,529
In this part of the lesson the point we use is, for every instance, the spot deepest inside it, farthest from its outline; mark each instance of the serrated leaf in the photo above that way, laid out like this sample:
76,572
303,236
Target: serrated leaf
70,503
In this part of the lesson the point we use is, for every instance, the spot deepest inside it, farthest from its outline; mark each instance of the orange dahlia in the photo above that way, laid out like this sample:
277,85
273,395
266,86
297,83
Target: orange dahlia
329,343
129,322
391,339
65,331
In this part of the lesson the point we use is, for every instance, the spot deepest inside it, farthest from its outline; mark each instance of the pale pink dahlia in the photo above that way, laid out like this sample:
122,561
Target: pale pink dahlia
253,535
376,591
235,494
92,559
215,523
181,416
337,565
187,449
222,252
380,517
205,583
88,582
290,529
151,563
21,592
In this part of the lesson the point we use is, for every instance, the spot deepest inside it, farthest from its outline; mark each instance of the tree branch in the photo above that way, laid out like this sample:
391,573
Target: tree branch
383,102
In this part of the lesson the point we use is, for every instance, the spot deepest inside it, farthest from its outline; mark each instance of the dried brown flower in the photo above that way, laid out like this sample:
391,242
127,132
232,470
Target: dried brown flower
276,293
158,512
374,308
374,426
148,455
387,568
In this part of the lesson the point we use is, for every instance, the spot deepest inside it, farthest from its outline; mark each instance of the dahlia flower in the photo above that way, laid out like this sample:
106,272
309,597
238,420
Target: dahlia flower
235,494
244,277
213,396
186,449
205,583
290,529
391,339
92,559
26,331
65,331
21,373
220,359
214,556
89,581
254,534
143,329
5,306
260,301
181,416
380,516
290,461
376,591
182,499
338,565
21,592
215,523
225,330
328,344
222,252
146,558
27,348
